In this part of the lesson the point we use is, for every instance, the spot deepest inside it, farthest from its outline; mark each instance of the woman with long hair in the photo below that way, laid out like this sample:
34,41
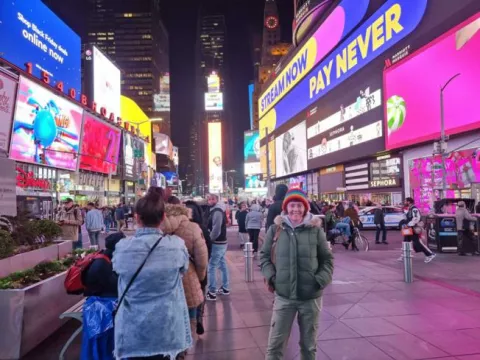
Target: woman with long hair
152,320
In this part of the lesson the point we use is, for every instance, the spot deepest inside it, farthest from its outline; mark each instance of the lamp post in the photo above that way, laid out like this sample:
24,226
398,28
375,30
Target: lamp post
443,137
147,121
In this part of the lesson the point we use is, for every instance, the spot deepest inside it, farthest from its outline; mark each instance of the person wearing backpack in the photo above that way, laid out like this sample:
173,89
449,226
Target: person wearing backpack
70,219
297,264
152,318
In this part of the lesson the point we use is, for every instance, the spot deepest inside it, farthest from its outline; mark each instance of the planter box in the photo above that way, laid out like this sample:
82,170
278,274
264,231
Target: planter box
30,315
32,258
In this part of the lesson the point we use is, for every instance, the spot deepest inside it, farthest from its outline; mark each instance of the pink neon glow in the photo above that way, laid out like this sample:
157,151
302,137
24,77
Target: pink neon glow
330,33
418,79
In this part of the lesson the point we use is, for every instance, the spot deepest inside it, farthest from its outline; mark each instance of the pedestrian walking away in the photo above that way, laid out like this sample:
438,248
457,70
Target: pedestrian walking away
379,221
217,226
466,239
241,216
94,223
297,264
413,230
253,223
275,209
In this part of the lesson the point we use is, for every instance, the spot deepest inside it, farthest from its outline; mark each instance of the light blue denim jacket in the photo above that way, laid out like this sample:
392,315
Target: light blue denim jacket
153,318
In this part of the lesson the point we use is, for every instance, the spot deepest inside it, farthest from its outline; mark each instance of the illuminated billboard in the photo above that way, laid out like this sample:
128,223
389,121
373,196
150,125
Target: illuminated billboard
163,144
104,78
31,32
100,146
161,100
291,151
133,156
46,127
215,166
251,89
213,83
214,101
251,150
8,89
395,20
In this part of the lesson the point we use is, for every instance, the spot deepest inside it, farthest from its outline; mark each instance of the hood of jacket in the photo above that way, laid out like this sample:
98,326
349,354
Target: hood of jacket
256,207
218,206
280,192
175,215
308,221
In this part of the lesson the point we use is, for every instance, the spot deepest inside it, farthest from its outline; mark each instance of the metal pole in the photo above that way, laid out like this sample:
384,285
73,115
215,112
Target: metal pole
248,254
442,145
268,162
407,262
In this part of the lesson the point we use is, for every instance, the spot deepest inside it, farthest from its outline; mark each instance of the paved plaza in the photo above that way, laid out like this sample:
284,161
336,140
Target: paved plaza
368,312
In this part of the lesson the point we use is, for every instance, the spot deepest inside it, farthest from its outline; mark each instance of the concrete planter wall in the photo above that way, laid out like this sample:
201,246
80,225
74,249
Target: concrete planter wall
30,315
28,260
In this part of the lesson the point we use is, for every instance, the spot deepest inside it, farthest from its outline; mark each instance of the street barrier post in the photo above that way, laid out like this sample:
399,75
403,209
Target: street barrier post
407,262
248,254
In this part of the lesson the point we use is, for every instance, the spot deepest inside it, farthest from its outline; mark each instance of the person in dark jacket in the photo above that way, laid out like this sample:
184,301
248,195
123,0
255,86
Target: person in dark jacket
241,216
276,208
379,221
340,210
99,279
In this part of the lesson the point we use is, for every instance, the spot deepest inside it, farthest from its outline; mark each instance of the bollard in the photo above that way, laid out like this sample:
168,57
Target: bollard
248,254
407,262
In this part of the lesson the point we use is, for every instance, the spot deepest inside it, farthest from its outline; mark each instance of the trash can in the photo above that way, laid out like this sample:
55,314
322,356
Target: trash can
441,232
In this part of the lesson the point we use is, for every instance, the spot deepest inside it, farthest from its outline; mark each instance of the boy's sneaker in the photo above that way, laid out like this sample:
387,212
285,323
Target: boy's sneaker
223,291
211,296
430,258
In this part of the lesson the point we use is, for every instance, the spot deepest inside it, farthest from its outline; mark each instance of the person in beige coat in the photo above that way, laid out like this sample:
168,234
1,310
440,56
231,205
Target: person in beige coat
70,219
177,222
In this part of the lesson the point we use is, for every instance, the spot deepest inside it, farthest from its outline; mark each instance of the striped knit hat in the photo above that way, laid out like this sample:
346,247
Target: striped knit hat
298,195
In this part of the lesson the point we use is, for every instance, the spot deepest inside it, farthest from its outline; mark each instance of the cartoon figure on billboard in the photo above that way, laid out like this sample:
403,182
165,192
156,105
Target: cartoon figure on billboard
48,126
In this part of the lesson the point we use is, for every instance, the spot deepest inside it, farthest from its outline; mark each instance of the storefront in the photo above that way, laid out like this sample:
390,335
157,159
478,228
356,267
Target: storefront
82,187
376,181
424,172
36,190
113,192
330,184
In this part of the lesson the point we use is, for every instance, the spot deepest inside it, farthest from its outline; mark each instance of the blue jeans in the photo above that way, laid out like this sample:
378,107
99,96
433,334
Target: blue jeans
217,261
93,235
344,228
108,223
79,243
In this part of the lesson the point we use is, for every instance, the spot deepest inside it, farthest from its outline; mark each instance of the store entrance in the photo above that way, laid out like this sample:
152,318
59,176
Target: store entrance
368,199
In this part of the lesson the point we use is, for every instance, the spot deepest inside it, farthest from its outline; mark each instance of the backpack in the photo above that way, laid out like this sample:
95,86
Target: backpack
74,279
278,230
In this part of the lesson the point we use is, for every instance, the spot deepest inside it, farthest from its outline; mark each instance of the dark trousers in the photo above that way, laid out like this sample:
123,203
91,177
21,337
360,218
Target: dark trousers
381,228
351,240
418,245
466,242
253,233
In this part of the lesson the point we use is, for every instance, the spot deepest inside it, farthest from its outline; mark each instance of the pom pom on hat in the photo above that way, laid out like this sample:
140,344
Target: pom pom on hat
297,195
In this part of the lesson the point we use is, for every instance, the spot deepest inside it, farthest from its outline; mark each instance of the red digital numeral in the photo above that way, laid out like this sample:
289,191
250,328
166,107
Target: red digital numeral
28,68
59,86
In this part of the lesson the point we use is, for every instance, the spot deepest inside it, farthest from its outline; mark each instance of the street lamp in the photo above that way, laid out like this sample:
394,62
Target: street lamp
147,121
443,137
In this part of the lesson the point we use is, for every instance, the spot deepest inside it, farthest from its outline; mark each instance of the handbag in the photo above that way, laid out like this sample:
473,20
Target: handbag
278,230
134,277
408,231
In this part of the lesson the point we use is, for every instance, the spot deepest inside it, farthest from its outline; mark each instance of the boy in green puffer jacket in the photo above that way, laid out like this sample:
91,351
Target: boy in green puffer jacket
297,264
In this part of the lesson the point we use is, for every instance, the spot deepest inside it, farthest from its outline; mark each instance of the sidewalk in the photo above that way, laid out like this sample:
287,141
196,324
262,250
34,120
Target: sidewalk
368,313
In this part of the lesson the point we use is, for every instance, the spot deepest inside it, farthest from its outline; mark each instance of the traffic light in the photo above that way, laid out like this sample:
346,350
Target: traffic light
42,158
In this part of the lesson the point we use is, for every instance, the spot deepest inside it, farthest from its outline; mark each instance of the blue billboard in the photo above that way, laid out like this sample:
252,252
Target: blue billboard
392,22
251,88
31,32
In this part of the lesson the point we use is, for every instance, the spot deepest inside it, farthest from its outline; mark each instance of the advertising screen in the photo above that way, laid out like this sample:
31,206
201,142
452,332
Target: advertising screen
8,89
251,150
291,151
161,100
255,183
214,101
31,32
392,22
213,83
462,170
412,112
106,83
215,166
46,127
347,123
251,89
252,168
100,146
171,178
163,144
175,155
133,156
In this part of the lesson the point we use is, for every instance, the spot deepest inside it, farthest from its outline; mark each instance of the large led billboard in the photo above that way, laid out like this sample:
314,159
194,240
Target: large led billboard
8,89
100,146
163,144
31,32
46,127
215,167
412,88
251,149
133,156
291,151
213,83
161,100
251,89
392,22
106,82
214,101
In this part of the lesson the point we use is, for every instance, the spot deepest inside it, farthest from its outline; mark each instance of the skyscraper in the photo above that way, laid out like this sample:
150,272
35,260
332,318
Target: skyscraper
210,59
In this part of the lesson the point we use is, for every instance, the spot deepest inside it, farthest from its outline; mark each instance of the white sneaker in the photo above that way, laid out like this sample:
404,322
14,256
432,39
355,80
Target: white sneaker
430,258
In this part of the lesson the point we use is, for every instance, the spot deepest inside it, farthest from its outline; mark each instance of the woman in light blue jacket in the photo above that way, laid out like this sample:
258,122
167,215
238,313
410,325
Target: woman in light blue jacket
152,321
253,223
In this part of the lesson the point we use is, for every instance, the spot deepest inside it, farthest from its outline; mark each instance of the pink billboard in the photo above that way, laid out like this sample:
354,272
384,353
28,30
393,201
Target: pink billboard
462,170
412,88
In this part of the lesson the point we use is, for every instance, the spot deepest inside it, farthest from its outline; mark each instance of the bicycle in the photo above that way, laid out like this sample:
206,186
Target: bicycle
338,237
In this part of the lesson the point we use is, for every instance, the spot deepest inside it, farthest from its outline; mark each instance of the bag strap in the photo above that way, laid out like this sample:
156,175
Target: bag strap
136,274
278,230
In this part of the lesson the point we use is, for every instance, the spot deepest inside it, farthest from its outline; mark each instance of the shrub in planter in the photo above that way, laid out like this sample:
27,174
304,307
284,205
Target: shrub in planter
6,244
48,229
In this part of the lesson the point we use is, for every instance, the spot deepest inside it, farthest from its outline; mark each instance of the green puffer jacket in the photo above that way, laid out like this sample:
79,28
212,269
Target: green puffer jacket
304,262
